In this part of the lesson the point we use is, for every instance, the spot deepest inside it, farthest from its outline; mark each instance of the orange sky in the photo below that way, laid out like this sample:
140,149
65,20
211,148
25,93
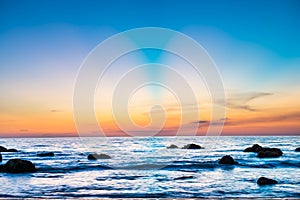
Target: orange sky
264,114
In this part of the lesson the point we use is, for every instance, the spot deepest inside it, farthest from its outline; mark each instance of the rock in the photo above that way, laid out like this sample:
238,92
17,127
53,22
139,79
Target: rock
3,149
264,152
297,149
255,148
172,146
269,153
0,157
44,154
18,166
95,156
266,181
192,146
227,160
12,150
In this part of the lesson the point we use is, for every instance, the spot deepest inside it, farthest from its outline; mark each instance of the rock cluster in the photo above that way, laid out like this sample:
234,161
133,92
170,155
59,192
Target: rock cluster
188,146
263,152
192,146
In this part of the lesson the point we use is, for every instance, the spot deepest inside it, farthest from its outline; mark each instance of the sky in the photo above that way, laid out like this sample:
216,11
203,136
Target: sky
254,44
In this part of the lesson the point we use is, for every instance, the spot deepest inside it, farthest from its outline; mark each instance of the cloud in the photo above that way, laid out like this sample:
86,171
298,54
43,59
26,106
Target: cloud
242,101
294,116
277,118
258,95
200,122
23,130
54,111
205,123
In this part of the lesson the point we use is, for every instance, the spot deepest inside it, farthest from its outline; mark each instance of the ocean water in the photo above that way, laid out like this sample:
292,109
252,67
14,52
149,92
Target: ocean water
143,167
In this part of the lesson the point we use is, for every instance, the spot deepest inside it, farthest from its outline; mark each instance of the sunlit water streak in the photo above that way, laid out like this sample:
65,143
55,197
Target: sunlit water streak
143,167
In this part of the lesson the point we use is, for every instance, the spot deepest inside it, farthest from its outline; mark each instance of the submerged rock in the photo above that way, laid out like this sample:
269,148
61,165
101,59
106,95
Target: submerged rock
227,160
269,153
18,166
95,156
183,178
44,154
297,149
192,146
266,181
172,146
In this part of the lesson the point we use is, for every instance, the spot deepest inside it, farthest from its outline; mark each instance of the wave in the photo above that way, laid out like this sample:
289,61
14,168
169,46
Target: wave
171,166
66,169
271,164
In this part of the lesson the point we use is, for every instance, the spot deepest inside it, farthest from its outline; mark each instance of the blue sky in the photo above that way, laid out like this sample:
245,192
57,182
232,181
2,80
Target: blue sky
272,23
255,44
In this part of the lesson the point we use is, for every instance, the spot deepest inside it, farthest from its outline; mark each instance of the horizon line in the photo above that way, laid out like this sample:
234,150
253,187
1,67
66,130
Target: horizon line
221,135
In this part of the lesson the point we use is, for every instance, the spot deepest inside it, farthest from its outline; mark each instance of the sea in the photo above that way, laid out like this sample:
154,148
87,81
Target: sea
142,167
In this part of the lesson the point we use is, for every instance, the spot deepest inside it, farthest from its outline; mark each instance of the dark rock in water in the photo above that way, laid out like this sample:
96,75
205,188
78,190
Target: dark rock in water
3,149
0,157
255,148
264,152
183,178
1,168
269,153
192,146
172,146
297,149
18,166
227,160
266,181
12,150
44,154
95,156
92,157
248,149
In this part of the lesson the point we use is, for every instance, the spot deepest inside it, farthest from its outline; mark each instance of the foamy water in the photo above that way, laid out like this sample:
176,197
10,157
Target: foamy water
143,167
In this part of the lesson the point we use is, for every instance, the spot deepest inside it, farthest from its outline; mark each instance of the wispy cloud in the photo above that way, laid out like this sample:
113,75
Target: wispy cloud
287,117
278,118
55,111
201,122
243,100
